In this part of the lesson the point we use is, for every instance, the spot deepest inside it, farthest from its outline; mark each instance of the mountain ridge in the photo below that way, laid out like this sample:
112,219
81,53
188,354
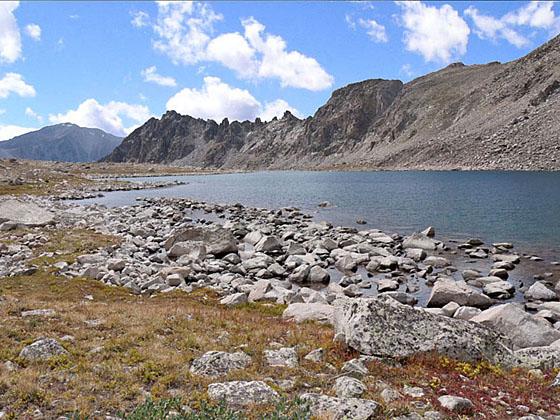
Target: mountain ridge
481,116
62,142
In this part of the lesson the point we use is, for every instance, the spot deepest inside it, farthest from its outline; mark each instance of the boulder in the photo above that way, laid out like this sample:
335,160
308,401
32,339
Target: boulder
544,358
418,240
466,312
234,299
456,404
318,274
192,249
42,349
301,312
348,387
283,357
499,290
268,244
259,290
242,393
218,363
217,240
24,214
523,329
445,291
323,406
538,291
383,327
437,262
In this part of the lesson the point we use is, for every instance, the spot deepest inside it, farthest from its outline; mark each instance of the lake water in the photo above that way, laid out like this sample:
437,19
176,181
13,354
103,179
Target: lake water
518,207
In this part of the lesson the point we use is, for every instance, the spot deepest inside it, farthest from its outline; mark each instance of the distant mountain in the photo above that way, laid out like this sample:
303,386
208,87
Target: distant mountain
63,142
492,116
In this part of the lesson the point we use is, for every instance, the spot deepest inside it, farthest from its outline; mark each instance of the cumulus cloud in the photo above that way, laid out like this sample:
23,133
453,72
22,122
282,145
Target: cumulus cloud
185,33
183,30
536,15
108,117
276,108
33,31
217,100
374,29
140,19
436,33
32,114
8,132
150,75
10,39
14,83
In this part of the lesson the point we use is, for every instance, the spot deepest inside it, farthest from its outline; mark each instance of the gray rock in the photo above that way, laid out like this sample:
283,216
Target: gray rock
413,391
523,329
242,393
283,357
24,214
538,291
383,327
301,312
218,241
259,290
318,274
466,312
430,232
499,289
268,244
450,309
316,355
38,313
218,363
420,241
445,291
456,404
437,262
192,249
234,299
42,349
544,358
348,387
323,406
416,254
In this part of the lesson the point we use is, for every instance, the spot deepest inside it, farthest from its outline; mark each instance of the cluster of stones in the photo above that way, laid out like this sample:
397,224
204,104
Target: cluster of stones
322,273
100,186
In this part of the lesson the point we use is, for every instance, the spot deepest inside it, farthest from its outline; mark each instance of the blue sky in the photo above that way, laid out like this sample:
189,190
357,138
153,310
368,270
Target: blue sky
113,65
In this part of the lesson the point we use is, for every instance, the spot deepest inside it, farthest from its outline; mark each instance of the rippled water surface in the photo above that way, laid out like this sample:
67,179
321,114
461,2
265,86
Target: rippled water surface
519,207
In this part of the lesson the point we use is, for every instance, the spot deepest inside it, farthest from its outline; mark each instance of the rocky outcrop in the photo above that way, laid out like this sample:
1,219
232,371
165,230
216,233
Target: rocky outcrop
493,116
24,214
386,328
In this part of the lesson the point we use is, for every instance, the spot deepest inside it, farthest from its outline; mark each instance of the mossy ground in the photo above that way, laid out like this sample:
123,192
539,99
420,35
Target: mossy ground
126,348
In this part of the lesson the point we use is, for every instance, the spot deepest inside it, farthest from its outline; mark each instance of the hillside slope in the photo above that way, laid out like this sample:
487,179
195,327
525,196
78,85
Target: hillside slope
63,142
493,116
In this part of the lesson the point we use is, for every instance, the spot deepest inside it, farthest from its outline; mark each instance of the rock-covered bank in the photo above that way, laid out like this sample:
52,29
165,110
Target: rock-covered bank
363,283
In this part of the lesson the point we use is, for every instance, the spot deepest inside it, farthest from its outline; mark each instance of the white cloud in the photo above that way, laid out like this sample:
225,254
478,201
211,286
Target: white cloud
436,33
14,83
140,19
150,75
34,31
406,69
183,29
536,14
108,117
185,33
10,39
374,29
217,100
32,114
8,132
234,52
276,108
292,68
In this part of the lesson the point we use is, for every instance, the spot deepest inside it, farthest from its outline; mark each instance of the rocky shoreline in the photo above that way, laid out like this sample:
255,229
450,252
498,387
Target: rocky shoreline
365,283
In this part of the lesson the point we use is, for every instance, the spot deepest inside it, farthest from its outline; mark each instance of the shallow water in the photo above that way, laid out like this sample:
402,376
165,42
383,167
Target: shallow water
518,207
